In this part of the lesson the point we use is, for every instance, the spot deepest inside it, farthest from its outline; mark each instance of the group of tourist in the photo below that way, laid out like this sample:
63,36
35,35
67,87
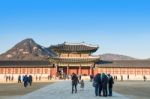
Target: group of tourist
103,83
26,80
9,78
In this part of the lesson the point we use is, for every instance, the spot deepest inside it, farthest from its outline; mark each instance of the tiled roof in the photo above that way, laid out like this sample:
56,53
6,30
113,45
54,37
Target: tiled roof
75,60
81,47
25,64
123,63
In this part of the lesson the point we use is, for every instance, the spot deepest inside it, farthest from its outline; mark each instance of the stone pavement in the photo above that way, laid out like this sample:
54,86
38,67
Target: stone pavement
62,90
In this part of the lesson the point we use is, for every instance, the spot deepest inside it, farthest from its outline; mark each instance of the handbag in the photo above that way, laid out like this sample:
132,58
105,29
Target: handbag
94,84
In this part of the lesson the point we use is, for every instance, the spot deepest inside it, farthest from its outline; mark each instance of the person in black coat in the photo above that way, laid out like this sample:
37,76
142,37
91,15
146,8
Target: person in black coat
104,84
96,84
75,81
25,80
110,84
100,84
30,80
19,79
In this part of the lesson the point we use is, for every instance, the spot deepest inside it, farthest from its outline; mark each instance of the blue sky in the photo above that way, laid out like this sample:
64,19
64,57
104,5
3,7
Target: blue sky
117,26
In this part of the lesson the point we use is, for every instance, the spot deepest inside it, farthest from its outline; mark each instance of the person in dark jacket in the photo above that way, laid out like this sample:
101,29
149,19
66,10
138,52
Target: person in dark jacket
30,80
104,84
110,84
96,84
19,79
100,84
75,81
25,80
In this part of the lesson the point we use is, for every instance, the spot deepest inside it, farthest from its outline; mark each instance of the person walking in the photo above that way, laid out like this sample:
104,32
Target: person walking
19,79
110,84
75,81
144,77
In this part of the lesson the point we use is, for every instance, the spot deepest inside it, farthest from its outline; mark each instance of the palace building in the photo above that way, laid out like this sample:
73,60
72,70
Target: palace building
75,58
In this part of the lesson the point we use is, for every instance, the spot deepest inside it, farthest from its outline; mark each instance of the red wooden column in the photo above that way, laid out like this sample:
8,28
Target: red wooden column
68,70
56,69
79,70
90,70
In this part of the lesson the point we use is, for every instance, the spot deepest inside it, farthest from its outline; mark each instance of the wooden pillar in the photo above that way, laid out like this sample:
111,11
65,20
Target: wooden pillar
56,69
90,70
42,70
142,71
27,70
135,71
5,70
113,71
127,71
13,71
80,69
68,69
20,70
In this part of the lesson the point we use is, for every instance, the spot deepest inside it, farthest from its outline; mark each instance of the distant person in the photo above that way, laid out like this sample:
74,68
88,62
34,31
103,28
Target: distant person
116,78
25,80
6,78
128,77
19,79
144,77
80,77
110,84
12,78
82,84
9,78
30,80
48,77
39,78
91,78
75,81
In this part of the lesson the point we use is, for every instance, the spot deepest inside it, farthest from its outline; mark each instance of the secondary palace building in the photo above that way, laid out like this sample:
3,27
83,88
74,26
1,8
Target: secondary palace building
74,58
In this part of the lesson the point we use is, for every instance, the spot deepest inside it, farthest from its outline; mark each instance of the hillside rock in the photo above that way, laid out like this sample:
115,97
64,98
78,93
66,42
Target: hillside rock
27,50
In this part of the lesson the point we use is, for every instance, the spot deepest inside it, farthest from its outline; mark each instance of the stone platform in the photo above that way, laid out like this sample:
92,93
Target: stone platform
62,90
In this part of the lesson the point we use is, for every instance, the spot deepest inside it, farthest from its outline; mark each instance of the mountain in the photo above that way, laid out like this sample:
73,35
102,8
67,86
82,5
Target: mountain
110,56
27,49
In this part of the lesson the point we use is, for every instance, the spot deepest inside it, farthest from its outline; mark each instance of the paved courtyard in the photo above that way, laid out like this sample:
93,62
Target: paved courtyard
62,90
133,89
